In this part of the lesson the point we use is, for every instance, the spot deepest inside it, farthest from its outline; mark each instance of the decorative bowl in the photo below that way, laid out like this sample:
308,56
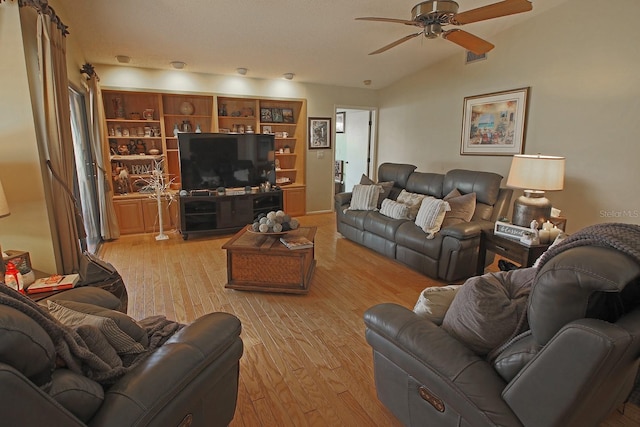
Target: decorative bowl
280,233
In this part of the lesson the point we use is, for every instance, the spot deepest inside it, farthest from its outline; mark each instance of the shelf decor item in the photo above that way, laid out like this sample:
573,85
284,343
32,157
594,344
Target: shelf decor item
319,133
493,124
187,108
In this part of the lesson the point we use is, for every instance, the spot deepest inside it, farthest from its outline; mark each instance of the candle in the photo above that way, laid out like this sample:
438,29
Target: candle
544,235
547,226
553,233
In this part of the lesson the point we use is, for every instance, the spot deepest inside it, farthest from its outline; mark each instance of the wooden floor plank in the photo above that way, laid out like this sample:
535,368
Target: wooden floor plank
305,361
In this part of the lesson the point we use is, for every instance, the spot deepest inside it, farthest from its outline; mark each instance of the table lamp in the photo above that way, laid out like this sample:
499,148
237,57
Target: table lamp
535,174
4,211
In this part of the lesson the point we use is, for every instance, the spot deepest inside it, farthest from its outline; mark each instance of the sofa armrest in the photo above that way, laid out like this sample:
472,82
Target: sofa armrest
466,230
195,372
578,377
445,366
343,198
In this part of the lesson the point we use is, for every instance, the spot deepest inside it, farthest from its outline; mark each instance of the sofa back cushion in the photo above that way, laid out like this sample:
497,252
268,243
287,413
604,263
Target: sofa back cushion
398,173
486,185
426,183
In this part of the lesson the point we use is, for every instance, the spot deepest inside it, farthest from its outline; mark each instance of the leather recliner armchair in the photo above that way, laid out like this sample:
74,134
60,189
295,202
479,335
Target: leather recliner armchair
191,380
567,370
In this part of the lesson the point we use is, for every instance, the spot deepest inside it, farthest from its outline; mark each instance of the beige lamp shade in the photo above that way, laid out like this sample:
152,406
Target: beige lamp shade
4,206
536,172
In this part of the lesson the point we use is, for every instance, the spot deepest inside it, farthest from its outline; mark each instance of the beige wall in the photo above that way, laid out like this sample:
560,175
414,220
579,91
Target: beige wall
28,226
584,104
321,102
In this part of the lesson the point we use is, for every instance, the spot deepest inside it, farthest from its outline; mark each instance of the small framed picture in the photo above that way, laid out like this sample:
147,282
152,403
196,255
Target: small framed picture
265,115
319,133
340,121
266,129
287,115
276,114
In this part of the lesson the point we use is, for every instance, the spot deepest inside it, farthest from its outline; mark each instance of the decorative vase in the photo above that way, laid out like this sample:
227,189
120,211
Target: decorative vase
198,130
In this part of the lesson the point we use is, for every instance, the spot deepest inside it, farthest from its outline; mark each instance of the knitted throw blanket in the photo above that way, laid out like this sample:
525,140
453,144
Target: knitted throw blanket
623,237
75,353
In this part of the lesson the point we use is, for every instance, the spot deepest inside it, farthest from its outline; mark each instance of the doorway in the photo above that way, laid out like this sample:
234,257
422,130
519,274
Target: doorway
355,152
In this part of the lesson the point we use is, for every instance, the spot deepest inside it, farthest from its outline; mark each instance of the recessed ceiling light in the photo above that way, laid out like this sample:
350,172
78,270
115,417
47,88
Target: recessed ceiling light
242,71
288,76
123,59
178,65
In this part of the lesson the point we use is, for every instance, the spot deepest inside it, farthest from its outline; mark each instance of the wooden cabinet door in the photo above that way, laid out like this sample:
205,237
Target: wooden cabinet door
234,211
295,201
129,216
150,215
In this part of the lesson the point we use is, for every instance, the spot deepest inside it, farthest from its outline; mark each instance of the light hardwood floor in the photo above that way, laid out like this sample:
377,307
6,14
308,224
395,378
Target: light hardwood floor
306,361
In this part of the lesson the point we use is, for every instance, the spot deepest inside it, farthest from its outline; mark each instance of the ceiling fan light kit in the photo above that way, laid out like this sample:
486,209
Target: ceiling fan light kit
432,15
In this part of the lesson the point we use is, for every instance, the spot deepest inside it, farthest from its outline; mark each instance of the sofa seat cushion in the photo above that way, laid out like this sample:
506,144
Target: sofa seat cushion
382,226
411,236
78,394
354,218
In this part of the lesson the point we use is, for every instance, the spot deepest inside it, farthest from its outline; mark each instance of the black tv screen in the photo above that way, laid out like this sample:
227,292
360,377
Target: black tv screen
212,160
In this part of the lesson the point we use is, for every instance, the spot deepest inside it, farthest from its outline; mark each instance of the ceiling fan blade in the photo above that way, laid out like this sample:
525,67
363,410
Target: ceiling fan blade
496,10
393,20
468,41
395,43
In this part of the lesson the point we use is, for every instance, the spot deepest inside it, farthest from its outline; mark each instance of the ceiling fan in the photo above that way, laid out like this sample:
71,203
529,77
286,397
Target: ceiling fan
431,16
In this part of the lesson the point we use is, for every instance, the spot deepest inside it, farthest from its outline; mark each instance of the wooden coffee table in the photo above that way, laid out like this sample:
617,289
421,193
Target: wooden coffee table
258,262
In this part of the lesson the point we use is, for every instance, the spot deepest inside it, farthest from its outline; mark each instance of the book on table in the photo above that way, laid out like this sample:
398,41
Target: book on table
296,242
56,282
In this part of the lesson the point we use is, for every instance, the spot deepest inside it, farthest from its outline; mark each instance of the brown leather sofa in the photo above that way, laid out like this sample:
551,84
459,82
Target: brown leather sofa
452,255
191,380
572,368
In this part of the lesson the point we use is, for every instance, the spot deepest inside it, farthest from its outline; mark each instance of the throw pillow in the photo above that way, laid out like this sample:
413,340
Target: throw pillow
431,214
386,187
121,331
462,209
365,197
394,210
412,200
489,309
434,302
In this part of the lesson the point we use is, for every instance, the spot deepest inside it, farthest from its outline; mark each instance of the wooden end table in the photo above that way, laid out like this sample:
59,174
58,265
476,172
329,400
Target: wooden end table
258,262
511,249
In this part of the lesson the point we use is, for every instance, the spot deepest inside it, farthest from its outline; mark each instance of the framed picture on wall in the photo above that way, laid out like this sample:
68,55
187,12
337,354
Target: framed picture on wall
493,124
340,121
319,133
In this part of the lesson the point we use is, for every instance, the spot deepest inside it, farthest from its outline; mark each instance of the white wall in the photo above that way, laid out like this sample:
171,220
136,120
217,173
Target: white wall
584,104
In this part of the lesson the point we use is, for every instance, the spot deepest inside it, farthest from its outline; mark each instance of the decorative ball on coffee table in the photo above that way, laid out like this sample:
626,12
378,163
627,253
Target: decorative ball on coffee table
274,222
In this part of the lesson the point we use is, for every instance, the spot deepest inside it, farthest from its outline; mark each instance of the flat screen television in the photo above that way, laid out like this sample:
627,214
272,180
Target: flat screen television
212,160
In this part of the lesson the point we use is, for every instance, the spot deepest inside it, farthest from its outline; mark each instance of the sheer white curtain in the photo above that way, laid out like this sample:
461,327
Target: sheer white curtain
109,228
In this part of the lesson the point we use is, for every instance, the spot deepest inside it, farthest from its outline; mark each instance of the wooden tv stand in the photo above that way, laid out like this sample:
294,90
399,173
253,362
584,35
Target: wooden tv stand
224,214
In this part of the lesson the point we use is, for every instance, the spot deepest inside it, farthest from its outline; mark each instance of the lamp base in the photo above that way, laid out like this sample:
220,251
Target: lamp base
532,205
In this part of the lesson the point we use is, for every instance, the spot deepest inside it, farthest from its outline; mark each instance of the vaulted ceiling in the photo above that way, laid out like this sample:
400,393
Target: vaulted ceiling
319,41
